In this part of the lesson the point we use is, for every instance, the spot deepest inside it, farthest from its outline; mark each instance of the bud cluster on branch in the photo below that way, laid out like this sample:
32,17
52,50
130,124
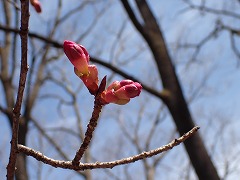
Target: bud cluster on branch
119,92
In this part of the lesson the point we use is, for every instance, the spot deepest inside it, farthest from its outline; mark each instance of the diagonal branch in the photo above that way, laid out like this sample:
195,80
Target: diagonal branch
55,145
50,140
89,133
5,111
84,166
161,95
92,123
132,16
150,90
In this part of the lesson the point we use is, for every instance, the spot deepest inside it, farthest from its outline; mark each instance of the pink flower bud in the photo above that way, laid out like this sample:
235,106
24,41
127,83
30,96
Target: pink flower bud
36,4
114,86
128,91
121,92
91,79
78,56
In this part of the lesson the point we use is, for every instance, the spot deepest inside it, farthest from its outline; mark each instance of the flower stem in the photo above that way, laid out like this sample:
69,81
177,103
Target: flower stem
89,133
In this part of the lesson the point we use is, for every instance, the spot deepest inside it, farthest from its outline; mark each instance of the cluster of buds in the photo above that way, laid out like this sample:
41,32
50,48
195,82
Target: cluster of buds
36,4
79,57
119,92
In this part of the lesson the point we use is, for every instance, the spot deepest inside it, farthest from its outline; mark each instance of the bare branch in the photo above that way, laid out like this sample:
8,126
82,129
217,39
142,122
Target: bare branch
92,124
204,8
198,46
211,35
5,111
92,25
53,143
63,129
84,166
154,126
73,11
132,16
161,95
42,131
22,81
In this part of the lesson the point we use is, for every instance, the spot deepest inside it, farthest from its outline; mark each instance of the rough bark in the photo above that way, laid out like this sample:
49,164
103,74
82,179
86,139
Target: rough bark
175,100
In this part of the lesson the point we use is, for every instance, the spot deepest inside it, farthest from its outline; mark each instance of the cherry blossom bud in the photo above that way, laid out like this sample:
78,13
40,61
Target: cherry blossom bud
91,79
78,56
121,92
36,4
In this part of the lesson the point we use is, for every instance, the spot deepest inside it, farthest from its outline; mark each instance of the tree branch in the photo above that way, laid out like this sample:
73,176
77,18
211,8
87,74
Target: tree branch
84,166
91,125
55,145
203,8
132,16
5,111
161,95
49,139
22,81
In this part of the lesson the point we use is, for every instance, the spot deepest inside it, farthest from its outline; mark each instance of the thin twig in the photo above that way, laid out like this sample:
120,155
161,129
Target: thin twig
203,8
92,124
22,81
84,166
55,145
89,133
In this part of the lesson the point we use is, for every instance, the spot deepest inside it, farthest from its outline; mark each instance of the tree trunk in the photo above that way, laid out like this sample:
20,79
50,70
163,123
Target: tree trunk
175,100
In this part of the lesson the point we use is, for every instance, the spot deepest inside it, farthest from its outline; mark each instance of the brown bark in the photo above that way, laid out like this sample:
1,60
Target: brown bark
103,165
21,164
17,164
175,101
